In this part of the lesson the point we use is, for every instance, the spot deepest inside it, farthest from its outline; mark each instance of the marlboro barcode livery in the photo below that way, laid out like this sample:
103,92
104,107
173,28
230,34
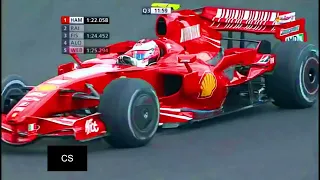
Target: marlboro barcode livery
189,73
261,21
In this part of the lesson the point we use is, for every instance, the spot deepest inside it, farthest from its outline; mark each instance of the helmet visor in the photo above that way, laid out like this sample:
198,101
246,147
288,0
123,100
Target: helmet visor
142,54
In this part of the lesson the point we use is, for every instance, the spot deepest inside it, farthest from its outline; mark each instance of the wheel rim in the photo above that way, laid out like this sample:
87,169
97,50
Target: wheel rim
144,112
311,75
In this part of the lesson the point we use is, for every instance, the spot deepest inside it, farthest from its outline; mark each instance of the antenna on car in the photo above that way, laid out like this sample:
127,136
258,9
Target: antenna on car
77,59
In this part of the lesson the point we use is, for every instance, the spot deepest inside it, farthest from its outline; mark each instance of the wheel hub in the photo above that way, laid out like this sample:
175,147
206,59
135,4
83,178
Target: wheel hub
143,112
311,75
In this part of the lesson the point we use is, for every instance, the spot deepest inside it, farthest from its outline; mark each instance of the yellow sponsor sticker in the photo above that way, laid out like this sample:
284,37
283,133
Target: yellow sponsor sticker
208,84
166,5
47,87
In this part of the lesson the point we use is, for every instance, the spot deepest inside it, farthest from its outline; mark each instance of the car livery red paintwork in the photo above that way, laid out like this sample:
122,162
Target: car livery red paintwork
189,40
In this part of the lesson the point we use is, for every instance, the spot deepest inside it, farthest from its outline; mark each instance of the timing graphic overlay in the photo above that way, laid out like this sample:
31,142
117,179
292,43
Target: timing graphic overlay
74,35
160,8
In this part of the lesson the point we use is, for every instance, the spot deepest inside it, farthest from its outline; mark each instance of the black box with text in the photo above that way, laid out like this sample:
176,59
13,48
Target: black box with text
67,158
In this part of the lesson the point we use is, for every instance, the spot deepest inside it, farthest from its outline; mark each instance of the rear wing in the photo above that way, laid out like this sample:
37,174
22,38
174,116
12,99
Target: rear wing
283,25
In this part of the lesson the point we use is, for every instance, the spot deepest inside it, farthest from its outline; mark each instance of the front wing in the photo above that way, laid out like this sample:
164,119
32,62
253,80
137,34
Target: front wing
92,127
82,129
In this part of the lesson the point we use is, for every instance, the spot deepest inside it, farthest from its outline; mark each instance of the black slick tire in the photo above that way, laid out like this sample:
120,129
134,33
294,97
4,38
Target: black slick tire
294,82
130,110
11,84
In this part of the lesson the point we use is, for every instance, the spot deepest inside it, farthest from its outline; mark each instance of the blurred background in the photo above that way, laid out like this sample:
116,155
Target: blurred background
31,39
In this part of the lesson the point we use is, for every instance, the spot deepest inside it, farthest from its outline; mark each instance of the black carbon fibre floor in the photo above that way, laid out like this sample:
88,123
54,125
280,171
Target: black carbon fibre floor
259,144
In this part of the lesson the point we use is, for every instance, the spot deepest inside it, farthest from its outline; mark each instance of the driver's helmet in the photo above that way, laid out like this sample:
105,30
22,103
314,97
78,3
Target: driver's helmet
144,52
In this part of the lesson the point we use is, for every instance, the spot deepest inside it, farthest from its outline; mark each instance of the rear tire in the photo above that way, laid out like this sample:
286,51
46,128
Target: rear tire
12,84
294,82
130,111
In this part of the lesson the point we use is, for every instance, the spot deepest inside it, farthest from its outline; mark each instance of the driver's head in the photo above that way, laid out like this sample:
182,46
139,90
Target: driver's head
145,52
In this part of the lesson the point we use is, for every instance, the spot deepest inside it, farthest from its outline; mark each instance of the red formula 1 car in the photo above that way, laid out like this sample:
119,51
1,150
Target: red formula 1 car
194,79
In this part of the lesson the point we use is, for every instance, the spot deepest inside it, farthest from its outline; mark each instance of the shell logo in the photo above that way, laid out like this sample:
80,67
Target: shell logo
47,87
14,115
207,84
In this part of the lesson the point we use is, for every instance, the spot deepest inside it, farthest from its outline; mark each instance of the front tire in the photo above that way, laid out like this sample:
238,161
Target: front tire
11,85
294,82
130,110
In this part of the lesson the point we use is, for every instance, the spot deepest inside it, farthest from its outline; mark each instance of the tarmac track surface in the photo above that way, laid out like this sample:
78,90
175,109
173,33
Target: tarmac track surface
264,143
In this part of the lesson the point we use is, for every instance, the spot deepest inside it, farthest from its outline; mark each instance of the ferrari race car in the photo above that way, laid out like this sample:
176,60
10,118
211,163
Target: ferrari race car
196,78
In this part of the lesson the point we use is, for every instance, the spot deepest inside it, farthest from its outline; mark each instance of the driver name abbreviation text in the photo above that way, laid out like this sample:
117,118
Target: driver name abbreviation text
84,20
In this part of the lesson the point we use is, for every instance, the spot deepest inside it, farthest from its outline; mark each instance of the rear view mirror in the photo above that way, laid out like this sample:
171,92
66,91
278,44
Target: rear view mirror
187,58
64,68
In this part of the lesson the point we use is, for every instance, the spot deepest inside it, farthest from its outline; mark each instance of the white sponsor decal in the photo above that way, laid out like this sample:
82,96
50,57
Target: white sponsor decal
19,109
24,104
190,33
21,106
31,99
264,59
296,37
285,18
213,42
91,126
63,121
81,73
289,30
176,116
185,60
36,94
272,60
67,121
57,81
